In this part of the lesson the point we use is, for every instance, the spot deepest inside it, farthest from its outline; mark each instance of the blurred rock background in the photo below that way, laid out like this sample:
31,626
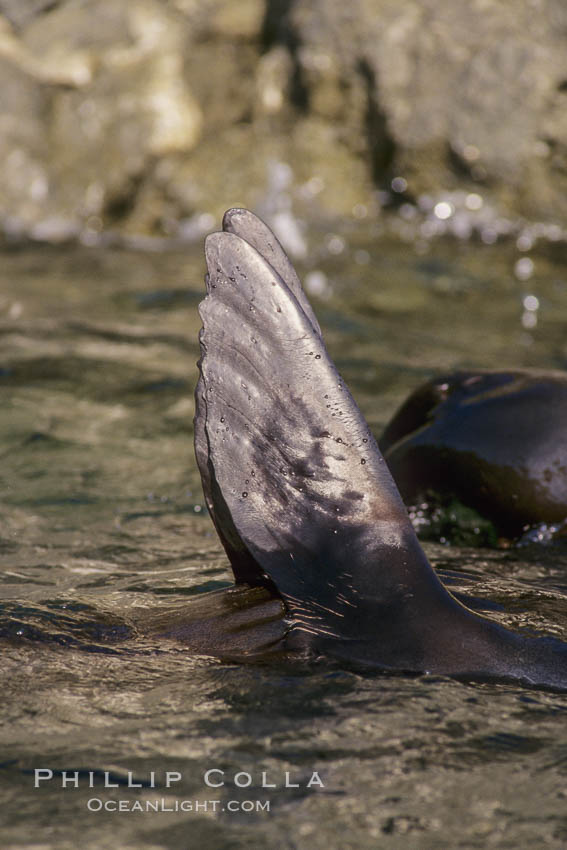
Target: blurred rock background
152,116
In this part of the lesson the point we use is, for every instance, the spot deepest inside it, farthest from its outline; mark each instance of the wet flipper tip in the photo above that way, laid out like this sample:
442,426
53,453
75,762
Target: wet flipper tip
252,229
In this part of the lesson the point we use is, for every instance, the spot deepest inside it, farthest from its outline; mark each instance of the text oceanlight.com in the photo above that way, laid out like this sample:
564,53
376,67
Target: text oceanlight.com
95,804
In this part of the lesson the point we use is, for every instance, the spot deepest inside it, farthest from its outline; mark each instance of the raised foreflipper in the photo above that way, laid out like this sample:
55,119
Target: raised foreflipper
300,493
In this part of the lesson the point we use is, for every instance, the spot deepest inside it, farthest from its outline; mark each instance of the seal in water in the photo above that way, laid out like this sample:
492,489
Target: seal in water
301,497
497,441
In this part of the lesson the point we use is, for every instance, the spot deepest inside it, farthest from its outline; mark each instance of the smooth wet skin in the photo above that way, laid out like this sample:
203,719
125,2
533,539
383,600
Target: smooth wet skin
497,441
301,496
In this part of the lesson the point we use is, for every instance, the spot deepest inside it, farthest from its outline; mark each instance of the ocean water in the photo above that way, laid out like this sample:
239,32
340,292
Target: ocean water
102,522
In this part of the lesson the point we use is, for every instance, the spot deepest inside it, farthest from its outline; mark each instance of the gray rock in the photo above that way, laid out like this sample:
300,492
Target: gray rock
457,93
24,176
21,12
138,114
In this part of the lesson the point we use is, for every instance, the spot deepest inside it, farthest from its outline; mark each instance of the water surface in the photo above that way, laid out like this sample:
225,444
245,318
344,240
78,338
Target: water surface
101,513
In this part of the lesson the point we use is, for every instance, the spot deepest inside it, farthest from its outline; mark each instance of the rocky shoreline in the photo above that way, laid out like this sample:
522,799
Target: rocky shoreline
149,118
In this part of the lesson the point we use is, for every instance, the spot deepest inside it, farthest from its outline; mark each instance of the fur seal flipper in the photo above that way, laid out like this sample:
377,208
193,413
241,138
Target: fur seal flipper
301,496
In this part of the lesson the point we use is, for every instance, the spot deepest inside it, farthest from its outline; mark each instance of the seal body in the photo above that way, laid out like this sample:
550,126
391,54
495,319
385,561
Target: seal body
495,440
